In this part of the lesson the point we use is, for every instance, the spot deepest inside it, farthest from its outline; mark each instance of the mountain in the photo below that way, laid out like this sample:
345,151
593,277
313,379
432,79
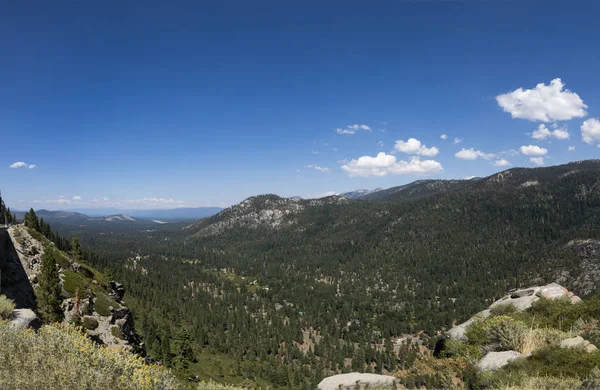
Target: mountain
300,289
357,194
178,214
118,217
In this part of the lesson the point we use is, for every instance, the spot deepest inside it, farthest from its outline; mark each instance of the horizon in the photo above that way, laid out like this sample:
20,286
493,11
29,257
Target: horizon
166,106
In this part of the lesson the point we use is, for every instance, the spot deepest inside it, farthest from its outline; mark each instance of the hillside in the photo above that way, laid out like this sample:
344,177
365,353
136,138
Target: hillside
358,270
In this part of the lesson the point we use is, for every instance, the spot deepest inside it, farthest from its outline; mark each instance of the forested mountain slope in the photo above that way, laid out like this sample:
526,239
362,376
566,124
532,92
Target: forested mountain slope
354,271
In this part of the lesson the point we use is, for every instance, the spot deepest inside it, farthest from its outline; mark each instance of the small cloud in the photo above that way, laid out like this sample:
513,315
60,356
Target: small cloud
457,141
21,164
352,129
384,164
380,144
501,163
472,154
590,131
537,160
533,150
105,199
544,103
571,148
469,177
77,197
335,149
318,168
444,136
542,132
315,152
414,146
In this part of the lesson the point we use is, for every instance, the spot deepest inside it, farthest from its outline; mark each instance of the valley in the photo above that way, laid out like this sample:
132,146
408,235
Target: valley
247,284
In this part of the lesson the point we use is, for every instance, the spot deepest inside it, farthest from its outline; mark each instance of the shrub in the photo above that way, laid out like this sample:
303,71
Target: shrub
458,349
6,307
59,356
103,303
506,331
116,332
542,338
557,362
90,323
503,310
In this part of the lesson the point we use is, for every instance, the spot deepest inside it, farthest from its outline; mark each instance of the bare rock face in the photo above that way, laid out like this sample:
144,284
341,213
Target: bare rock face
118,291
552,291
521,299
495,360
345,381
25,318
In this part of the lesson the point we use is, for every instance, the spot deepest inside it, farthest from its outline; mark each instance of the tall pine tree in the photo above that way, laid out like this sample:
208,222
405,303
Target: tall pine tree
49,291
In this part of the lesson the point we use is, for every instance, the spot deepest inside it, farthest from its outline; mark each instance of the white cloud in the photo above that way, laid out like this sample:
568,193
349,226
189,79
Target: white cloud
380,144
537,160
533,150
472,154
501,163
457,141
542,132
335,149
544,103
469,177
444,136
414,146
77,197
571,148
351,129
384,164
21,164
315,152
590,131
318,168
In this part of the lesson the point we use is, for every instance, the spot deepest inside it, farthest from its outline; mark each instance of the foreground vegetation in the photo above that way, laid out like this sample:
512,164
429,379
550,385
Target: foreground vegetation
536,333
62,357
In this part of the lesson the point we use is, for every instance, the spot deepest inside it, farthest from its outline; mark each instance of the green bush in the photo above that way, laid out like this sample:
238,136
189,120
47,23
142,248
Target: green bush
557,362
116,332
560,313
458,349
503,310
103,303
507,332
90,323
61,357
6,307
74,281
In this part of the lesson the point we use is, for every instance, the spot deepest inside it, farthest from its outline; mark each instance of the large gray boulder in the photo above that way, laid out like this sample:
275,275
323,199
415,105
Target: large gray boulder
25,318
349,381
495,360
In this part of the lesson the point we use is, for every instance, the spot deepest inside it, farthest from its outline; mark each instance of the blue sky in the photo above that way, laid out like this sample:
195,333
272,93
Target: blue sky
153,105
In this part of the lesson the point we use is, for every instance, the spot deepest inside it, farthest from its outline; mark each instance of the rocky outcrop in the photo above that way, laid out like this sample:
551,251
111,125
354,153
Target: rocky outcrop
495,360
521,299
115,330
25,318
349,381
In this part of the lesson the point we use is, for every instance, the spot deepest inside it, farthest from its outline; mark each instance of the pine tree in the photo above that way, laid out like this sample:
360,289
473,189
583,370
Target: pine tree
49,291
76,251
31,220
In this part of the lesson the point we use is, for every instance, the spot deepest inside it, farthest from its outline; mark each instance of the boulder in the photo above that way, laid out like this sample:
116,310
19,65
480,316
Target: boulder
118,291
120,313
575,299
552,291
578,342
495,360
25,318
349,381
